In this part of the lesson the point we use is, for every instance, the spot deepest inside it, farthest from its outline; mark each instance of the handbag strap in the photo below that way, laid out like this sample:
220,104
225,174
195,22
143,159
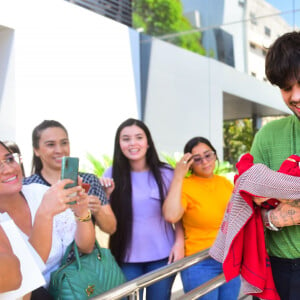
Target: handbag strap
76,252
67,253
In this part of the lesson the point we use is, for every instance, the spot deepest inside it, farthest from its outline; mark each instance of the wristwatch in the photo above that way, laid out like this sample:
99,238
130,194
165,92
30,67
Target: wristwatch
268,224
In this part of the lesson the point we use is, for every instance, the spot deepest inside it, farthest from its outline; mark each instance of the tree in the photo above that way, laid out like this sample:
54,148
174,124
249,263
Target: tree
238,138
161,17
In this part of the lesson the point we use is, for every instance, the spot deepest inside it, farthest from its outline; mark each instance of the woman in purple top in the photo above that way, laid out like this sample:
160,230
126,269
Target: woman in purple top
137,185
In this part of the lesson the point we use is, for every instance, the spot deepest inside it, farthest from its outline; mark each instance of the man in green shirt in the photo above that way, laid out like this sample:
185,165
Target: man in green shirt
275,142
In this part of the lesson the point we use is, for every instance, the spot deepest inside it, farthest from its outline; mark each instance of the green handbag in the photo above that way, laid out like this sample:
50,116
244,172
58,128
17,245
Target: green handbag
85,276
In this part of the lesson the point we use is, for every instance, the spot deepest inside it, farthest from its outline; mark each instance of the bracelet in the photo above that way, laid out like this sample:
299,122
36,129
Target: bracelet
84,219
269,224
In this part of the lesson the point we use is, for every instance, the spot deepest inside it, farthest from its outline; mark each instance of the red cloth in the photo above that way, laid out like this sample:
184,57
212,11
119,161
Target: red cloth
240,243
290,166
248,255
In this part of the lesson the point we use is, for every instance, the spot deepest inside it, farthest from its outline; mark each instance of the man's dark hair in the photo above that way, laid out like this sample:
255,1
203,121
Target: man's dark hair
283,60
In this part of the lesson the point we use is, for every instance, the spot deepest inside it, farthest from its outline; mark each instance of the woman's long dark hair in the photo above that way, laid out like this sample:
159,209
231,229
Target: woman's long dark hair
121,197
37,164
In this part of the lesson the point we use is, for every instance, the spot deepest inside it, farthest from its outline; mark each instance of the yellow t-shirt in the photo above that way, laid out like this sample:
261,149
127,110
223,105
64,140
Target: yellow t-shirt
204,201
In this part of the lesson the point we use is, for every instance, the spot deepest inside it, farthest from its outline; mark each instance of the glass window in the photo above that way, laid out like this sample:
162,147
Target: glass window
267,31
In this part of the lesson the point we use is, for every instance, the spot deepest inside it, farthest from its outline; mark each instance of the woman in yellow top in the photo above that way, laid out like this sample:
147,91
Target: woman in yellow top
200,200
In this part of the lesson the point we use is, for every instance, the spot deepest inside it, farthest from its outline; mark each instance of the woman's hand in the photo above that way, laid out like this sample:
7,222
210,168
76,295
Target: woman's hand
108,185
177,252
80,208
172,207
94,204
57,198
183,165
103,214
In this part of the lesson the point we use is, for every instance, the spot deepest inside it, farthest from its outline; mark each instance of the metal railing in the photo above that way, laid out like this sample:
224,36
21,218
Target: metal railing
118,10
131,288
204,288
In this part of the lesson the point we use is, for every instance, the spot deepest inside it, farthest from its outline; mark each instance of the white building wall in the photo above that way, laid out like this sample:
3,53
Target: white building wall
177,88
82,69
71,65
185,96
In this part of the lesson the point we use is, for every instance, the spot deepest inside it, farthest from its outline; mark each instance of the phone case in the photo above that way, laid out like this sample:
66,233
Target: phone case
69,169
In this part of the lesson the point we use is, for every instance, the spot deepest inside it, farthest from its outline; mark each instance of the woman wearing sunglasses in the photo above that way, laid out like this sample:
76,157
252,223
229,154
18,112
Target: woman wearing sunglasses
43,215
200,200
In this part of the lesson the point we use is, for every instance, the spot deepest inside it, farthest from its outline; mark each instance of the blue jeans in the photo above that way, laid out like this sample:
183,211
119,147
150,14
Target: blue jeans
205,270
160,290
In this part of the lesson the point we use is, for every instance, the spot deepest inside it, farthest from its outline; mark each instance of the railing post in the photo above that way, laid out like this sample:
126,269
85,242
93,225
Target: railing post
135,295
204,288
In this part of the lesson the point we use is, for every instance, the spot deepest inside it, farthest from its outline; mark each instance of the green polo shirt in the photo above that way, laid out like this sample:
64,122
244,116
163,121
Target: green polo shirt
273,143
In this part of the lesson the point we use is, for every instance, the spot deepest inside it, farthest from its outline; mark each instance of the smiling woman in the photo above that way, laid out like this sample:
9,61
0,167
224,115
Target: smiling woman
200,200
50,143
38,210
138,183
134,145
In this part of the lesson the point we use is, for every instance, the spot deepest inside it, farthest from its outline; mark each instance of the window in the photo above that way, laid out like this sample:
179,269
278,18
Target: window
242,3
267,31
253,19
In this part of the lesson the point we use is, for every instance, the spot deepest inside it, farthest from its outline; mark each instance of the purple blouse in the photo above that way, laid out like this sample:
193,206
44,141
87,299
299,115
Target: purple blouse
152,236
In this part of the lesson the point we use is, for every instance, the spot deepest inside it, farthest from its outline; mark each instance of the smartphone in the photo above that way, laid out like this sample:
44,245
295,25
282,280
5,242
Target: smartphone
69,170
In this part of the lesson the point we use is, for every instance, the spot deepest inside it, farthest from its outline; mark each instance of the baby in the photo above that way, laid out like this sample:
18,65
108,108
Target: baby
290,166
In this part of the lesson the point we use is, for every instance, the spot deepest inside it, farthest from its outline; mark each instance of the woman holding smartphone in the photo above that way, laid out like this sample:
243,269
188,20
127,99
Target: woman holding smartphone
43,215
50,143
143,241
200,200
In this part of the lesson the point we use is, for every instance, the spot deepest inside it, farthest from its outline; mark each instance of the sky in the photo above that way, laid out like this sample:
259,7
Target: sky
288,6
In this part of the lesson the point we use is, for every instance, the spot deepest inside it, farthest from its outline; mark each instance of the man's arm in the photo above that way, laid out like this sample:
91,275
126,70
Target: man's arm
286,214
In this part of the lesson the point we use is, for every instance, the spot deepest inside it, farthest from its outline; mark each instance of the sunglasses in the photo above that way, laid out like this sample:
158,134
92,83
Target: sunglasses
208,156
10,160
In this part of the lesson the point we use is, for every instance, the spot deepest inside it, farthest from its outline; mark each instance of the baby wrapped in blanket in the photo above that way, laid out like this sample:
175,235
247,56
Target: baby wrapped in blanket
240,244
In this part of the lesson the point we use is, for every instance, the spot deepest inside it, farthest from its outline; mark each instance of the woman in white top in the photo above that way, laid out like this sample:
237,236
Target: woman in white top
43,214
